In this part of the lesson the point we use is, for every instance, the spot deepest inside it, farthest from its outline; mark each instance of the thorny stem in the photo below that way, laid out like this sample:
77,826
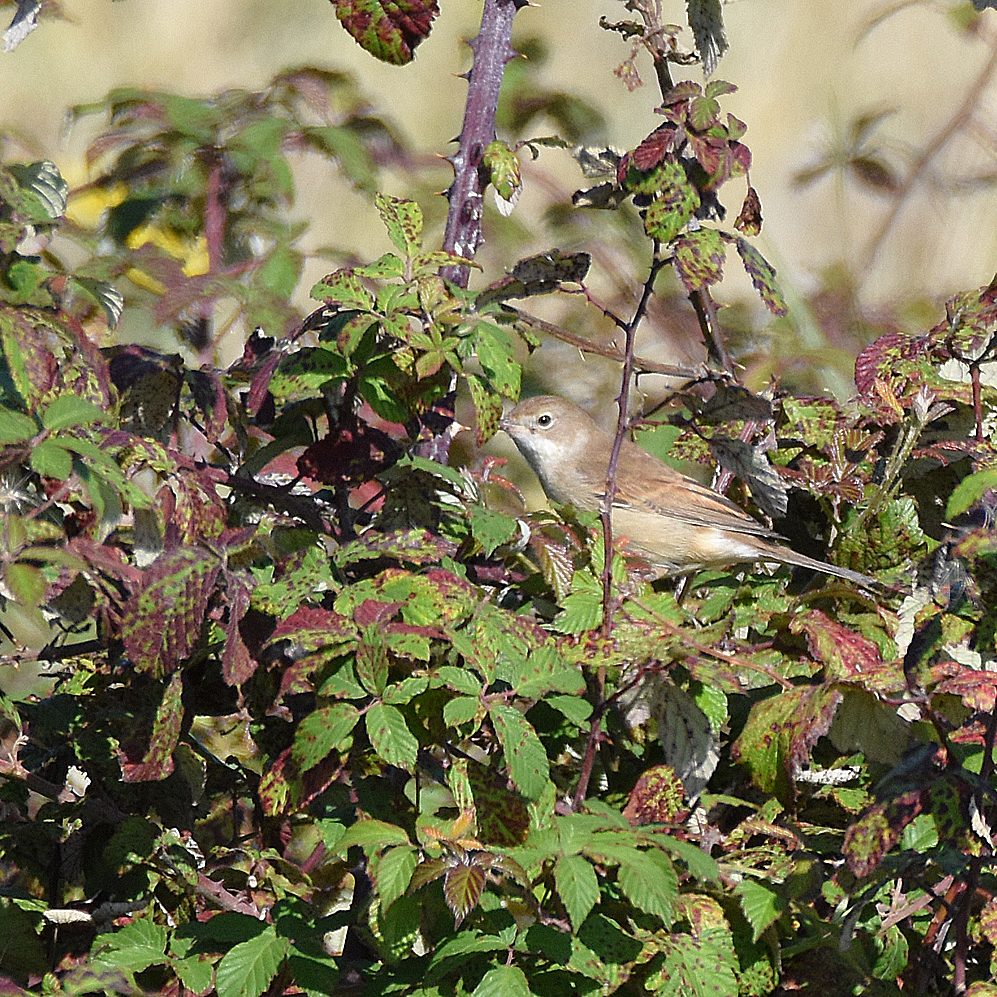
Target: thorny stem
463,234
976,93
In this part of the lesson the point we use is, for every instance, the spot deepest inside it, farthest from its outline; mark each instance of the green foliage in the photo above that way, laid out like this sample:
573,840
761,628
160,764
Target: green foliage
310,707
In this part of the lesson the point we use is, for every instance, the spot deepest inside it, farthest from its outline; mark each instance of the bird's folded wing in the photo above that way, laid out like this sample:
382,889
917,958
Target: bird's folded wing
656,488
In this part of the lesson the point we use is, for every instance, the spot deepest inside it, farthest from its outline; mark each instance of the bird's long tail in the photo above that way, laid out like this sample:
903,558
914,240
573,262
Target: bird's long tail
784,555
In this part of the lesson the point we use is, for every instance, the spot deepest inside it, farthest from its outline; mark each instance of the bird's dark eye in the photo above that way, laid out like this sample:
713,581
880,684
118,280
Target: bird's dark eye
545,420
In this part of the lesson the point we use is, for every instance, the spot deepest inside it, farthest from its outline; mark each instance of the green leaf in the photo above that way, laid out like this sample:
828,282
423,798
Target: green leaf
135,947
51,461
403,220
703,966
344,144
761,905
24,954
650,882
390,737
281,271
322,732
524,754
491,528
15,427
248,969
577,886
70,410
392,873
893,959
496,352
969,491
195,972
26,583
459,680
370,835
460,710
504,981
502,165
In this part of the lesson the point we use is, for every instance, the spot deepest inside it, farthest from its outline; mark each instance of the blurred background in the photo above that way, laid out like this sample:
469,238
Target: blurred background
871,124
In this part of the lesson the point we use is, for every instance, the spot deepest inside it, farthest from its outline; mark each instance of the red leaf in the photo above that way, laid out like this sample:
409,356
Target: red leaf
847,654
164,615
655,147
237,663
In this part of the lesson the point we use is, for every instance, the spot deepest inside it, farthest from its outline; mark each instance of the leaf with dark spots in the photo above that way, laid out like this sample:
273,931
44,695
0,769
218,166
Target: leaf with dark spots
658,797
762,275
411,546
389,30
209,396
975,687
780,733
888,359
732,403
349,455
869,839
285,789
157,762
752,466
540,274
29,359
653,149
162,619
699,259
370,612
259,387
310,629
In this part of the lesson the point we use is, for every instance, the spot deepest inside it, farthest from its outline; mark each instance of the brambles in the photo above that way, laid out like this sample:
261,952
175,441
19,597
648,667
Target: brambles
300,706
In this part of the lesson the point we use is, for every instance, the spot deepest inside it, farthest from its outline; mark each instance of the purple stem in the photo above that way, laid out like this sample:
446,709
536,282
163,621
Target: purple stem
492,51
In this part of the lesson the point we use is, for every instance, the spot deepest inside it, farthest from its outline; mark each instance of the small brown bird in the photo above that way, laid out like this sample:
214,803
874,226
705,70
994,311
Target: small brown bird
670,520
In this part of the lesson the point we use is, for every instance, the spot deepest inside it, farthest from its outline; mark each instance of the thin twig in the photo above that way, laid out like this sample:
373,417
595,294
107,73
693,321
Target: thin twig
626,378
977,90
642,365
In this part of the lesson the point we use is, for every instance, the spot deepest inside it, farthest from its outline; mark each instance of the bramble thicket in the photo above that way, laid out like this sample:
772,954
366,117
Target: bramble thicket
299,697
